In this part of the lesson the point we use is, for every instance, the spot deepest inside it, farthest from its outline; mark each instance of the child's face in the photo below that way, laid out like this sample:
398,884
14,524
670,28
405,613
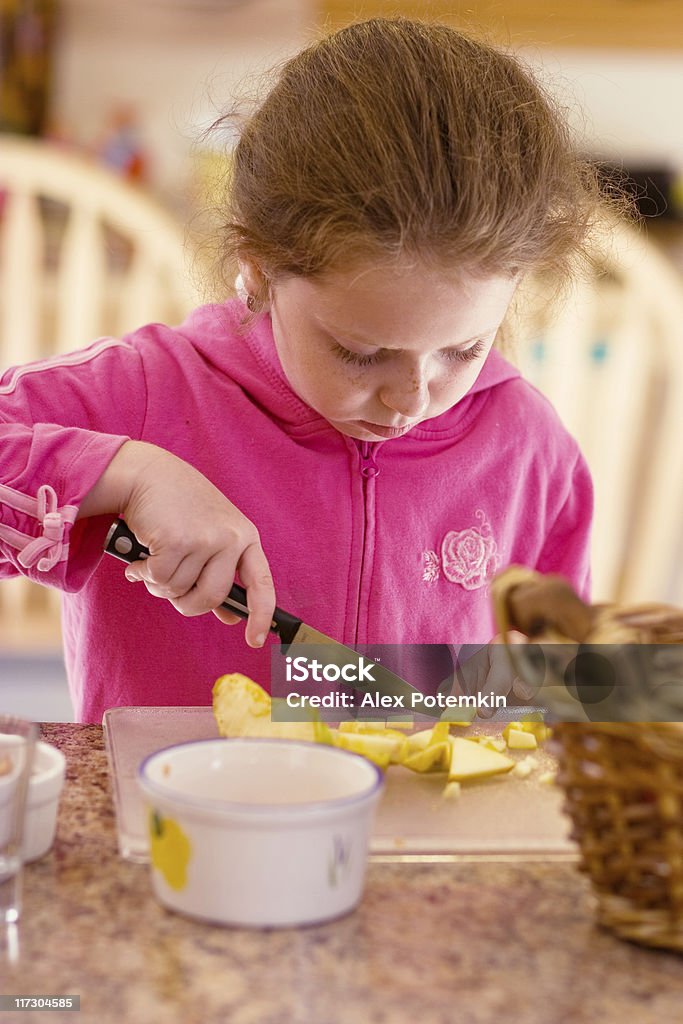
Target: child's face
376,350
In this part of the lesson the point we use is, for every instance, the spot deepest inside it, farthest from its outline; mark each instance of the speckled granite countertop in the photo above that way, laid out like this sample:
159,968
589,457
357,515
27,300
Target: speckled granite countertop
434,944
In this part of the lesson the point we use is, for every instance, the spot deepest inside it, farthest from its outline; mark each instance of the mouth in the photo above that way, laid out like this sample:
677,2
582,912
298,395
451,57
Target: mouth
382,431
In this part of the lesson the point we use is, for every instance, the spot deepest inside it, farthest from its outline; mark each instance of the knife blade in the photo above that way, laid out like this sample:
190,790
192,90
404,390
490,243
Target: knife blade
122,543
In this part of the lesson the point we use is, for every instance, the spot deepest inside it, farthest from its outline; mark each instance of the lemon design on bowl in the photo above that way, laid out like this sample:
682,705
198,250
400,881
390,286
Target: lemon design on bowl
170,849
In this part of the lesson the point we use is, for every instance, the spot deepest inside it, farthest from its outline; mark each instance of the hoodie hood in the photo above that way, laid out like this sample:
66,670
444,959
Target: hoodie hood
249,356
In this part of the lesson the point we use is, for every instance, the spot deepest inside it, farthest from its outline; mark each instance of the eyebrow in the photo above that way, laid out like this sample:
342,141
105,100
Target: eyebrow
361,341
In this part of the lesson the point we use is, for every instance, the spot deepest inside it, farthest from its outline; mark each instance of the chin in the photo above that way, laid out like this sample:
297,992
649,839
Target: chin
353,430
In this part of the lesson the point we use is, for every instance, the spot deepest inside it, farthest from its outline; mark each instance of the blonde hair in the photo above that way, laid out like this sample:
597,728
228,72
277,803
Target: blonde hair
398,139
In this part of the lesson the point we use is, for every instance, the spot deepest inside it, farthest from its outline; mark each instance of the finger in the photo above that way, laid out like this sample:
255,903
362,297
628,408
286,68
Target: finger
522,689
472,671
255,574
500,677
157,569
184,578
501,673
229,618
178,584
210,587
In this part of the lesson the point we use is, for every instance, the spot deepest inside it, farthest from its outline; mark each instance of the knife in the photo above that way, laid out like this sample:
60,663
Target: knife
122,543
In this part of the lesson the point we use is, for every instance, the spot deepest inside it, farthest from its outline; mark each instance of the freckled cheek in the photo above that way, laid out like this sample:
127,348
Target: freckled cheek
344,390
446,392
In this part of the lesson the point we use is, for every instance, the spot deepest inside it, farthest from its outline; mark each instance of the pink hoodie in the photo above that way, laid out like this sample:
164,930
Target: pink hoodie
389,542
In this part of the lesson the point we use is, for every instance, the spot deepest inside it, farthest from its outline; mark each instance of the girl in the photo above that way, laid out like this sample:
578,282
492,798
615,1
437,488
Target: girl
344,433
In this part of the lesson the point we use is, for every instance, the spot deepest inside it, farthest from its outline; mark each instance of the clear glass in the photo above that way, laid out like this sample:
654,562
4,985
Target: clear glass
17,744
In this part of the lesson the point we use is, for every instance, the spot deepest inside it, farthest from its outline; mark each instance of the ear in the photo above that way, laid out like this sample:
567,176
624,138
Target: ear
255,284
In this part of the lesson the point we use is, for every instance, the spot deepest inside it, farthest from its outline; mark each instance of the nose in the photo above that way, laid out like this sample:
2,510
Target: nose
407,395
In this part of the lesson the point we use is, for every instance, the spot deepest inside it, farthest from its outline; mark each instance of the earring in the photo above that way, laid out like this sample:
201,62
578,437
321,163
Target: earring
243,294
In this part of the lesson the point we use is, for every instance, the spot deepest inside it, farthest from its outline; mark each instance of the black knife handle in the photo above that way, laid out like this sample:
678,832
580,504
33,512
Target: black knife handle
123,544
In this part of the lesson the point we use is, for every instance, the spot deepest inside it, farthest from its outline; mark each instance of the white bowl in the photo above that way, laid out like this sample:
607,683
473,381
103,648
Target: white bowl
258,832
47,781
45,786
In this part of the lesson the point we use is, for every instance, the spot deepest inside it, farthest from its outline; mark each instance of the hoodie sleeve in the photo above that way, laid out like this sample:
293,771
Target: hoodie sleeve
566,551
62,420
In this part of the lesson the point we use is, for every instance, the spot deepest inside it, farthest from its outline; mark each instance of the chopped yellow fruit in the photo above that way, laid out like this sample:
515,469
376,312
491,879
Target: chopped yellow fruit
418,741
400,750
547,778
362,727
439,733
540,730
493,742
243,708
525,767
370,729
378,749
452,791
471,760
433,758
519,740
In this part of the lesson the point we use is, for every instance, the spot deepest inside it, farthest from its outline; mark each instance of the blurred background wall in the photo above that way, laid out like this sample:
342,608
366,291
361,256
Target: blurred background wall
174,63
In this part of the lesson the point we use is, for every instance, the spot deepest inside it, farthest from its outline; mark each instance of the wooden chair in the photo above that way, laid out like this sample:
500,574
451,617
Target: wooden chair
83,254
611,361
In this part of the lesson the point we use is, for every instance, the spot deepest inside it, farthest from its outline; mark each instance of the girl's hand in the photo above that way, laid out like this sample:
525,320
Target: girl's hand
490,671
198,540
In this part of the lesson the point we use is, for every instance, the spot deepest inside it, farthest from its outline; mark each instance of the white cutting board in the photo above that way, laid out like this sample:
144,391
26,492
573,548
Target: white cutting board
503,816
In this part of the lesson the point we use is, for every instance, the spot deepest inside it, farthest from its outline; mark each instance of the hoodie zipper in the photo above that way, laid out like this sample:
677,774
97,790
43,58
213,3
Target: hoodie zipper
369,471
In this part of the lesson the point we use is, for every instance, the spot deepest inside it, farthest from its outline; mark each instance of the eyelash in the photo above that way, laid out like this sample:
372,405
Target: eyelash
355,358
453,355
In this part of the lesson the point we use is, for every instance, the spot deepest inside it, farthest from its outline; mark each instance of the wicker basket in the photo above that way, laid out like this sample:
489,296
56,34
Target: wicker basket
623,781
623,785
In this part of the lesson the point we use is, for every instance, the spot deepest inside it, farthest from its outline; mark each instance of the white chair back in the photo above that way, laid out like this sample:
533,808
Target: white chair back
83,254
611,361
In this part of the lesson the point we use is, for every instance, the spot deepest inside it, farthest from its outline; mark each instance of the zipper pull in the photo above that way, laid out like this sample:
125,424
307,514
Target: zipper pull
369,467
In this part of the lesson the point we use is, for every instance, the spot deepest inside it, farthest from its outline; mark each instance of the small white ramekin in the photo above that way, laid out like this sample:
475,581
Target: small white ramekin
258,832
44,788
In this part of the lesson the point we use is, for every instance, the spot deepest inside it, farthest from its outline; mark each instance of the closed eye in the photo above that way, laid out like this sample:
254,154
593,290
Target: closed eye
464,355
355,358
459,355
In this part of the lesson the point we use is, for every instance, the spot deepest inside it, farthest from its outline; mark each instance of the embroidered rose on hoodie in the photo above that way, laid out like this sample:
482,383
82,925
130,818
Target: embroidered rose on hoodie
469,557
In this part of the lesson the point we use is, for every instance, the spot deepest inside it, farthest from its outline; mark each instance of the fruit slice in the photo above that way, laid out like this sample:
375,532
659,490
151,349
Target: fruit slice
451,791
520,740
471,760
435,757
540,730
494,742
418,741
378,749
243,708
440,733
